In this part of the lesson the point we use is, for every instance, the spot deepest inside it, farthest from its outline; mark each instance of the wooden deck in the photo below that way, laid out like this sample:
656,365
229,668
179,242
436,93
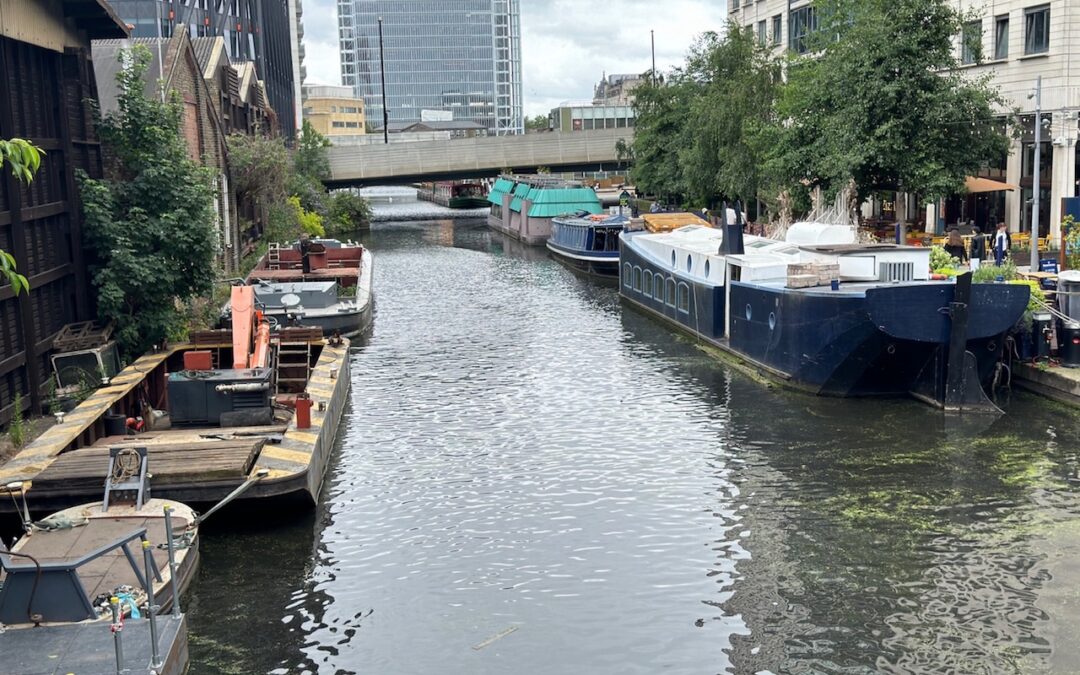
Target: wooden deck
172,463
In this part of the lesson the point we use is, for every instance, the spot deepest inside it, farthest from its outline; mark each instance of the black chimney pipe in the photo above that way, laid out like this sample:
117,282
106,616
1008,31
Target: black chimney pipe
733,233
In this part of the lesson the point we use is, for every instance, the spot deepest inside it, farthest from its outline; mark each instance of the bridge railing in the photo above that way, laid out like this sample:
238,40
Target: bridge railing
360,163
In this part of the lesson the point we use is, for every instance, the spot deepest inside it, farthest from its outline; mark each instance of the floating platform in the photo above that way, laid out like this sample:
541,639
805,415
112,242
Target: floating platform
197,465
88,647
1061,384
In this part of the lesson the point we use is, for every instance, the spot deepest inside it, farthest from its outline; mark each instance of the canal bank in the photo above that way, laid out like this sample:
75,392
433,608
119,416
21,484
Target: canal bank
531,478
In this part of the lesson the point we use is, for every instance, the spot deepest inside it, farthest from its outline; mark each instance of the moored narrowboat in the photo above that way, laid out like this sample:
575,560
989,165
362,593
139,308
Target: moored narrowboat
587,243
454,194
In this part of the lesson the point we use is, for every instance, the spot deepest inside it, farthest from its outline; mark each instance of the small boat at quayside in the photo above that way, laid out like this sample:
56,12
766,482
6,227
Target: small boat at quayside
587,243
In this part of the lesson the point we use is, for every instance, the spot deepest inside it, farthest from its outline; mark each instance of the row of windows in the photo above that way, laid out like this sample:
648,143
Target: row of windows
346,125
1036,36
656,286
803,22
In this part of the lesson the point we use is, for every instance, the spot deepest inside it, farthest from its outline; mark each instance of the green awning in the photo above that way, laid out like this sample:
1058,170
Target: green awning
501,187
521,192
548,203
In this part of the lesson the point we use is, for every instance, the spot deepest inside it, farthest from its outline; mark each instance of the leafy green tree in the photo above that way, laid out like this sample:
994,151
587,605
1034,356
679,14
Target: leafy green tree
537,123
150,220
349,212
24,158
308,222
736,83
662,111
879,101
259,167
311,158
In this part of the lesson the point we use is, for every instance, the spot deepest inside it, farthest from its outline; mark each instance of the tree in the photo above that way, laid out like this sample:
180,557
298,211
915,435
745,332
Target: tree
259,167
879,102
538,123
24,158
311,158
661,111
150,220
349,212
736,81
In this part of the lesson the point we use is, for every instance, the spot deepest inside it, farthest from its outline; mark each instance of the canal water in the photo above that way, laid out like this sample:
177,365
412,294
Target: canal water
532,478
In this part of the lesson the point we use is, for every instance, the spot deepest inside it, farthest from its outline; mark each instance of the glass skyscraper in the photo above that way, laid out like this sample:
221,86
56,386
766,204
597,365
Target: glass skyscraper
457,56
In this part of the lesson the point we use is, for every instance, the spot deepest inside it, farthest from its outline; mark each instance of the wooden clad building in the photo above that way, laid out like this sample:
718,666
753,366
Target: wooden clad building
46,83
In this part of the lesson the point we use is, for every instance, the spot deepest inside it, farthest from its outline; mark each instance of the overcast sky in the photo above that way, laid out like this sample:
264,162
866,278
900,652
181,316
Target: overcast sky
566,44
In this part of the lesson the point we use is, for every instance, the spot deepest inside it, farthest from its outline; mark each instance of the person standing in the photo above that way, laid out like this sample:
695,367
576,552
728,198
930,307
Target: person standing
955,246
1002,244
978,245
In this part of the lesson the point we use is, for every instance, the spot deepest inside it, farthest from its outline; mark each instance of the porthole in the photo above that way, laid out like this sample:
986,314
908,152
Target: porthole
707,266
772,320
991,346
891,349
673,259
749,311
689,263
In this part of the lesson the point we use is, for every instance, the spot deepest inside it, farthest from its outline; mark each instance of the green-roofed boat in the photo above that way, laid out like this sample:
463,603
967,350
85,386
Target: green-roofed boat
523,207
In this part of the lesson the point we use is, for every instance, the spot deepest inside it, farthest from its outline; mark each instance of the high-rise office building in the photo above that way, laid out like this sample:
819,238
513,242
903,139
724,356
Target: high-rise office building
461,56
266,32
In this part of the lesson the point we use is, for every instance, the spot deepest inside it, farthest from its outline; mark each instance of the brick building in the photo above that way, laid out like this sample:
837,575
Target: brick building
48,84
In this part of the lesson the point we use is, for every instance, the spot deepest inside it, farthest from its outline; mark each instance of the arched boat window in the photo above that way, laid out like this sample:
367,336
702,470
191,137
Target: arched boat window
627,273
670,285
646,284
684,298
637,278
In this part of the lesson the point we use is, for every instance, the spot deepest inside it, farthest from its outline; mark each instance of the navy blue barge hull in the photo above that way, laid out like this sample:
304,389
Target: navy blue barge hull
881,341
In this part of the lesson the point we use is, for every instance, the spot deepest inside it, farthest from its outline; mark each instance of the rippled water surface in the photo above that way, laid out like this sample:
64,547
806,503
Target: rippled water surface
534,479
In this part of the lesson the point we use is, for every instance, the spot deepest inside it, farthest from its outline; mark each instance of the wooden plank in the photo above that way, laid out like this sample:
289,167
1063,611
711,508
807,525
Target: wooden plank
174,464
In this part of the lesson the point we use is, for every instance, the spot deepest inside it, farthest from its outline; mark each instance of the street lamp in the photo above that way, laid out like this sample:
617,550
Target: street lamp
382,77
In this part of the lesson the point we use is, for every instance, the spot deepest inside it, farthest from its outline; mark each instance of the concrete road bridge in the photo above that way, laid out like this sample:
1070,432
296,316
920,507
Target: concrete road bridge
401,163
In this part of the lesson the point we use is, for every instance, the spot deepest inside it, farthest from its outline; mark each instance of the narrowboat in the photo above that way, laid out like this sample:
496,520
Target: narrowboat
318,283
454,194
587,244
523,207
229,407
822,313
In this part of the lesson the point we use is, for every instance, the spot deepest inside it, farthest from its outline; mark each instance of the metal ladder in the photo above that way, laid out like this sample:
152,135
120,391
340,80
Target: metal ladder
273,256
293,367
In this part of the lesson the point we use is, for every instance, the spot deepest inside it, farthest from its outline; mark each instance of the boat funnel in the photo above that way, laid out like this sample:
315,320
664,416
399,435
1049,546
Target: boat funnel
732,243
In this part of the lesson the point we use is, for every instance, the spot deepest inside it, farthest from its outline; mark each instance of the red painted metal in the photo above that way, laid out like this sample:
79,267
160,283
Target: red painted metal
303,411
243,304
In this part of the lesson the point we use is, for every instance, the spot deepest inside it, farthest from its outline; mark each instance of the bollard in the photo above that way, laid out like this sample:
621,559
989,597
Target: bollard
151,607
116,627
172,563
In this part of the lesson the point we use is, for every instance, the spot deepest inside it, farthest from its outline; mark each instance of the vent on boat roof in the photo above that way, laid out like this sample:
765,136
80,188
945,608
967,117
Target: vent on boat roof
896,271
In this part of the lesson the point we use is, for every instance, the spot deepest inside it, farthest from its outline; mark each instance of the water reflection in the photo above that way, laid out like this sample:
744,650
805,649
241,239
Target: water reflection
535,479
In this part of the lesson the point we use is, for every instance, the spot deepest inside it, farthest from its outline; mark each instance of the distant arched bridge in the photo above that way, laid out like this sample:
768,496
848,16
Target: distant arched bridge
399,163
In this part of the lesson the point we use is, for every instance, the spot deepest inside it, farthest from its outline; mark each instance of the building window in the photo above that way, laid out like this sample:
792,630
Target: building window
1037,30
801,23
776,29
762,35
684,298
670,292
1001,37
637,278
338,125
971,42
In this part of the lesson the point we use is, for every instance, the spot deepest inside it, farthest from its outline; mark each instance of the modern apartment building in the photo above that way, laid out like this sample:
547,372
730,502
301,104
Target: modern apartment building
1013,41
333,110
461,56
266,32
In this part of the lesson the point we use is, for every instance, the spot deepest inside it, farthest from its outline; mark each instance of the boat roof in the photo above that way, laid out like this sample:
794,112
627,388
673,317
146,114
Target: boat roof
666,222
597,220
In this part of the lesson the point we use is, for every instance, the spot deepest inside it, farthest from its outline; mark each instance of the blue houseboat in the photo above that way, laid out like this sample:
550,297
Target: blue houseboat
824,314
587,244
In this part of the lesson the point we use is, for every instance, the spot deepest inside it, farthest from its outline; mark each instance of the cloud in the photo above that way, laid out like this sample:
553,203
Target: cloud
567,45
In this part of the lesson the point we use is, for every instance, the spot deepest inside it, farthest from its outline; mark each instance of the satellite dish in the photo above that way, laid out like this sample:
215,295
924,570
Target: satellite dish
290,300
